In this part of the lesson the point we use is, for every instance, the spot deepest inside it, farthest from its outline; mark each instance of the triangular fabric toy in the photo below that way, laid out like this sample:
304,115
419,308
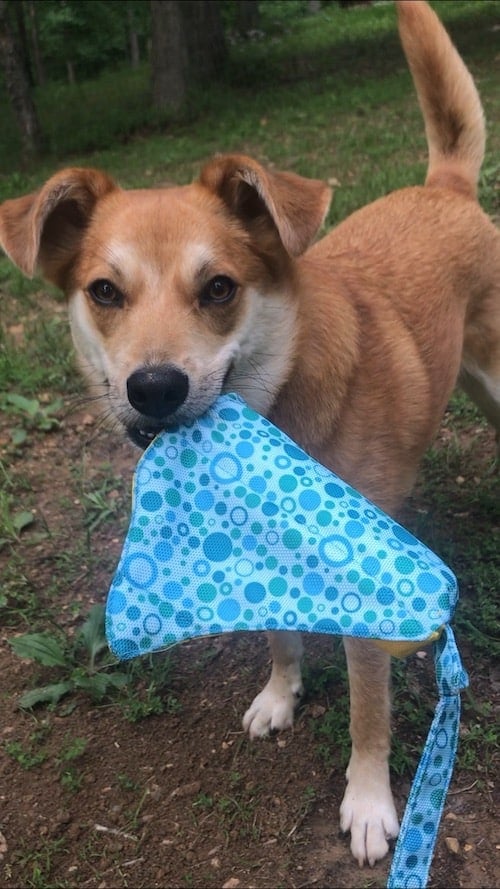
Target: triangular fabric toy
234,527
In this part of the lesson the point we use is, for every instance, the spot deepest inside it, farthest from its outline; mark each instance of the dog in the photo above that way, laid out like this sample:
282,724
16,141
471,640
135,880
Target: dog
352,346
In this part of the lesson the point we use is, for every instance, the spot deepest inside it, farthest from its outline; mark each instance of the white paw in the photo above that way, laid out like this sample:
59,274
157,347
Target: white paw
273,708
368,812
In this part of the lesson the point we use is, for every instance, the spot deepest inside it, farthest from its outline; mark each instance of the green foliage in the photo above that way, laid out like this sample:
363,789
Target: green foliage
33,753
84,663
19,598
327,681
11,278
39,361
26,758
204,801
40,647
12,520
489,186
479,746
235,812
126,783
98,113
70,777
41,862
33,414
145,694
91,36
98,505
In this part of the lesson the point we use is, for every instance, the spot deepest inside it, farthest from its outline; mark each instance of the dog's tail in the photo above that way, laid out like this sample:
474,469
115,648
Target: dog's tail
450,103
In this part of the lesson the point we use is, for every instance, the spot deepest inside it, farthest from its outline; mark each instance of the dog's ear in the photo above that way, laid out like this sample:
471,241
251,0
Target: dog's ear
44,229
297,206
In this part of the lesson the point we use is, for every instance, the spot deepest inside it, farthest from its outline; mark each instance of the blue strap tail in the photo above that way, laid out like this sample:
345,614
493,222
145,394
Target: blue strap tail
419,828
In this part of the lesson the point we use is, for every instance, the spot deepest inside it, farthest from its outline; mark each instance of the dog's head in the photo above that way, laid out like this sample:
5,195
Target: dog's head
175,294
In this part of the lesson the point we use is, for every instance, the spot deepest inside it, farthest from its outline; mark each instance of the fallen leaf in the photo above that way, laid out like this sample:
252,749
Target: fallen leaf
187,789
452,845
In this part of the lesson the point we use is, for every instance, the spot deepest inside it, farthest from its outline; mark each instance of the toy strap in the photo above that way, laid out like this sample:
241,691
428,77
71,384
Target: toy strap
419,828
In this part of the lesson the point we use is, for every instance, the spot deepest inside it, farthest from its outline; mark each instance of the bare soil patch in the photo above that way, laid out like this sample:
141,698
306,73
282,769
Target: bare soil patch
184,798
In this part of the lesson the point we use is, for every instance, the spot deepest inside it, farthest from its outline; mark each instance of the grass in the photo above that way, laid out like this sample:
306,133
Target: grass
40,863
327,96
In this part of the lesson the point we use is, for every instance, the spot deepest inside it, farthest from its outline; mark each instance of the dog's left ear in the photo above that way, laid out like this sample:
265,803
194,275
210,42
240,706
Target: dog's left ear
44,230
297,206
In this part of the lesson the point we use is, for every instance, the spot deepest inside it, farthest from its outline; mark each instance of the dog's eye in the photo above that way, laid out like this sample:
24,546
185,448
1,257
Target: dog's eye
218,290
105,293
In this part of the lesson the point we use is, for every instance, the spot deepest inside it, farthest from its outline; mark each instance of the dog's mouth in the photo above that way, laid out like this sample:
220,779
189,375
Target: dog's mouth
142,436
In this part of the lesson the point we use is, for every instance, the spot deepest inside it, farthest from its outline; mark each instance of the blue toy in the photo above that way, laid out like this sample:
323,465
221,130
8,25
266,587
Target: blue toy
234,527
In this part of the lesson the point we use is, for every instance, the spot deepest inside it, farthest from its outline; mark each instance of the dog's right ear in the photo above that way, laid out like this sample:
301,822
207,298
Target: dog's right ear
295,206
44,229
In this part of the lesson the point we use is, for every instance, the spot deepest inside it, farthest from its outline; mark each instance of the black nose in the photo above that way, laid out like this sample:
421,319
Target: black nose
157,391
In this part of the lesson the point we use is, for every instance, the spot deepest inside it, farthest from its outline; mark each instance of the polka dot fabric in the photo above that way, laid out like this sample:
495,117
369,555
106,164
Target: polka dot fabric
234,527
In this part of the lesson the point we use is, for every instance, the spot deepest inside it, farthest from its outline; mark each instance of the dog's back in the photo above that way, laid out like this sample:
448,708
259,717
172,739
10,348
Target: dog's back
420,271
455,129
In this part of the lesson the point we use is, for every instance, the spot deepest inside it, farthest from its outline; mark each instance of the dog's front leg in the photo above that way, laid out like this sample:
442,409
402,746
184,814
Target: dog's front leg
273,708
368,809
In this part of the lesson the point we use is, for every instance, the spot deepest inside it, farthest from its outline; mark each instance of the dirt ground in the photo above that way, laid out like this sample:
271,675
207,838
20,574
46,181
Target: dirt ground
183,798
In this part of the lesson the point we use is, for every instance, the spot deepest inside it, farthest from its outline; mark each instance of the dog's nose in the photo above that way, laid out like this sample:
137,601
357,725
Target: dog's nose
157,392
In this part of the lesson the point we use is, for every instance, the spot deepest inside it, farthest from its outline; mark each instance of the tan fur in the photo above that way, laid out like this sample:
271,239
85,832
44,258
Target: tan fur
352,346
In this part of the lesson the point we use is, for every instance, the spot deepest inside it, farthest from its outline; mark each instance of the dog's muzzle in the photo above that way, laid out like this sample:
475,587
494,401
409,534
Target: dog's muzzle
155,393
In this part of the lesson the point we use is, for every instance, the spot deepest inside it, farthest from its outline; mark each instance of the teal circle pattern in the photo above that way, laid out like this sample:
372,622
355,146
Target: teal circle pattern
234,527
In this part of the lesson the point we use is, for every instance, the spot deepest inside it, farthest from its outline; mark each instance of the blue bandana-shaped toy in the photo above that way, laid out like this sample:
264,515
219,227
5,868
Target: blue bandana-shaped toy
234,527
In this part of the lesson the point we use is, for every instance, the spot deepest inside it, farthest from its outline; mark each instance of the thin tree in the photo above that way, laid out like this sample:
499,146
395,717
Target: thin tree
133,37
35,42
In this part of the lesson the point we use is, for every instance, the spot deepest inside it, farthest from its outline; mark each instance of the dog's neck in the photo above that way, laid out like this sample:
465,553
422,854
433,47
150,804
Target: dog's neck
309,380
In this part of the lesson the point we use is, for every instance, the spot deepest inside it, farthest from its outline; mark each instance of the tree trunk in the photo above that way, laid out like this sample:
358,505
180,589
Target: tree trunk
133,39
21,39
17,86
169,59
205,39
70,71
188,47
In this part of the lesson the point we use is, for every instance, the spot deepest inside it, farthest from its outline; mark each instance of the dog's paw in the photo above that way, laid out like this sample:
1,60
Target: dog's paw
368,812
273,708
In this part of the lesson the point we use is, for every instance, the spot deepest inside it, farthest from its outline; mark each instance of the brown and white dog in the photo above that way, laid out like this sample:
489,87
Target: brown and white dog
352,346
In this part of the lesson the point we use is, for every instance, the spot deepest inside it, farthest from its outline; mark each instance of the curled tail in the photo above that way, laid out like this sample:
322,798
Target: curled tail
450,103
